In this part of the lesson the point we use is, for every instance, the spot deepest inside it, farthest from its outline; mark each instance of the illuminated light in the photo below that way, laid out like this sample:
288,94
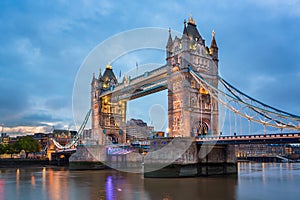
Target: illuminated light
203,91
32,181
108,66
176,68
109,188
193,47
191,20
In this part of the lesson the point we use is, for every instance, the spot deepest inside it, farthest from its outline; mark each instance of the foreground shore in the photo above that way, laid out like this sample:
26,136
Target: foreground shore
13,162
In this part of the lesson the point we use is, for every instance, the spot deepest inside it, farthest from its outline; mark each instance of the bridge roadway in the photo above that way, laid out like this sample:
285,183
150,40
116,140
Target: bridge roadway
147,83
251,139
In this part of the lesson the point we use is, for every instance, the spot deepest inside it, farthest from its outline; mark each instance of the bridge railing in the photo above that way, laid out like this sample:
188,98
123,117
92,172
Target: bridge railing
263,138
131,82
150,74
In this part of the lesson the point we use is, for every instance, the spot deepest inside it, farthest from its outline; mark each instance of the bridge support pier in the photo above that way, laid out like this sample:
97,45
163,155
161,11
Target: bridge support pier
88,157
198,160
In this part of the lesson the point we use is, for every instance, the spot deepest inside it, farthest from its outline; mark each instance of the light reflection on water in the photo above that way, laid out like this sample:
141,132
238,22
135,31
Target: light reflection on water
255,181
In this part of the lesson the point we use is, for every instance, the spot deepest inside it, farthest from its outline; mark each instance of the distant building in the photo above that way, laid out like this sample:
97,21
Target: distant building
250,150
87,134
42,138
61,136
4,139
60,133
137,129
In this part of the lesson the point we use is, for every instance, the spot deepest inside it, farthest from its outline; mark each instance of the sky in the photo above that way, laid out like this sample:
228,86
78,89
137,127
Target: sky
44,43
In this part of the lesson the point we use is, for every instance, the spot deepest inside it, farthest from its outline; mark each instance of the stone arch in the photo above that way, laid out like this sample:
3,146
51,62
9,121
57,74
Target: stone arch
200,128
112,138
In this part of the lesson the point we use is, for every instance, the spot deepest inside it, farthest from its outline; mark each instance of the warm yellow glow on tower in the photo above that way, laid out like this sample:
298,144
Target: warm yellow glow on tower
203,91
108,66
191,20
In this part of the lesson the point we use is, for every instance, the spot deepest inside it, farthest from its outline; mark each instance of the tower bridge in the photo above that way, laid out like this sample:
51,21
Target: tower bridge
191,78
191,109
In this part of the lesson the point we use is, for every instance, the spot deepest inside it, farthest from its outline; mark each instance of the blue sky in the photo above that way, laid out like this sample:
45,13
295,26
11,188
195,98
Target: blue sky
43,44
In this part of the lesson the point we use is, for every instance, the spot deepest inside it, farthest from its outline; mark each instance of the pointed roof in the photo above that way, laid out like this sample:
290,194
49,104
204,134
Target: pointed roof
109,74
100,77
192,31
191,20
169,44
184,28
94,80
213,43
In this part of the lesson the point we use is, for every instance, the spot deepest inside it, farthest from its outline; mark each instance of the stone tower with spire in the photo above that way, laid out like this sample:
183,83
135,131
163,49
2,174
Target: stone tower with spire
108,117
191,109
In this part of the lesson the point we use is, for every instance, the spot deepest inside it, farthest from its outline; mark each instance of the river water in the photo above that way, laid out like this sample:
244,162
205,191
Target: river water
254,181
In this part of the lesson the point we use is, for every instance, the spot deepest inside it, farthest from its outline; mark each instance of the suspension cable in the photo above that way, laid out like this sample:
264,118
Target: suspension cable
214,92
75,139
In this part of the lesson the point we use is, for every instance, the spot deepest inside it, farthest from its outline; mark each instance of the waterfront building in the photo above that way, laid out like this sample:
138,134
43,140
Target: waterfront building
87,134
268,150
63,136
42,139
137,129
4,139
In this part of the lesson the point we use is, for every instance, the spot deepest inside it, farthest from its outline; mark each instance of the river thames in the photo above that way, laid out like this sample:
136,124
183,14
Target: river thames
254,181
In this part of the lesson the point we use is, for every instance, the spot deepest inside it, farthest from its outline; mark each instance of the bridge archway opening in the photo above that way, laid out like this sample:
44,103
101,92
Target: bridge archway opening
112,138
151,109
201,128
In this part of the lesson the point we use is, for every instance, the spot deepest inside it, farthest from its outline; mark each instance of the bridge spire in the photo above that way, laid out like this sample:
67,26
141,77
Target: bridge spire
169,44
108,66
185,32
213,49
100,75
191,20
213,41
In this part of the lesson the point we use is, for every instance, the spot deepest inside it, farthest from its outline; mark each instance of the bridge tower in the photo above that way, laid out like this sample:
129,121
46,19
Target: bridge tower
108,117
191,109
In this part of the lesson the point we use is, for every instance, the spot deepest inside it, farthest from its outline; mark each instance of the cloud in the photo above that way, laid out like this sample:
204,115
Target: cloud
28,130
26,50
14,99
279,7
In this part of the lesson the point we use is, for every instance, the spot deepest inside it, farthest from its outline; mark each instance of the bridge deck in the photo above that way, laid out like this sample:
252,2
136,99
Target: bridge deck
247,139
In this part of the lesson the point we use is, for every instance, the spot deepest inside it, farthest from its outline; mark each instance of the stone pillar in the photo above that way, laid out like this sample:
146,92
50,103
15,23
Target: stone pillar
197,160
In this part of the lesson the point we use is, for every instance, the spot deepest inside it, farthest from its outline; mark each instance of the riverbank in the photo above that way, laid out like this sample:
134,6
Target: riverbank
15,162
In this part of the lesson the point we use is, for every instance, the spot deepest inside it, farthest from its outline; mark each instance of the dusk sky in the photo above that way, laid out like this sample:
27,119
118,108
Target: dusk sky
44,43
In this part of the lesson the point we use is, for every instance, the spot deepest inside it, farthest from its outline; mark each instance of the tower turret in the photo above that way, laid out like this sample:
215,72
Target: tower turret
100,80
184,28
109,78
169,45
191,109
213,49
